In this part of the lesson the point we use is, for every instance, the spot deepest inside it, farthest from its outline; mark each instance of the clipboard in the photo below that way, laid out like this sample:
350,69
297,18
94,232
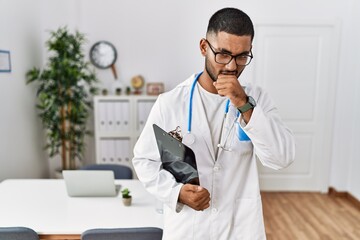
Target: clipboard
176,157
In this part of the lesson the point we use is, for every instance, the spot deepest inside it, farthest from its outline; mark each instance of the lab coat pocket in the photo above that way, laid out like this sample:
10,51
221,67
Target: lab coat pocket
240,133
243,147
179,226
248,219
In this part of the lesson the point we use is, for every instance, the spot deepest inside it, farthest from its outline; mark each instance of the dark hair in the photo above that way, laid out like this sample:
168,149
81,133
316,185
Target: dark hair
231,20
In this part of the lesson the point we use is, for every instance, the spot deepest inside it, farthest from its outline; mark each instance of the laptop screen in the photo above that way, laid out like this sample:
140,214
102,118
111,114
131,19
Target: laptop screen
90,183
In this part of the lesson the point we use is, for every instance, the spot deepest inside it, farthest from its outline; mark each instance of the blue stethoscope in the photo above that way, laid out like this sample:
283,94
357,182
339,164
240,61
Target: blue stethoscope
190,138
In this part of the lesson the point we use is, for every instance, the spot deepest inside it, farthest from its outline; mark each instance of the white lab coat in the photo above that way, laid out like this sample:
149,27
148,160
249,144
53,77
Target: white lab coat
232,180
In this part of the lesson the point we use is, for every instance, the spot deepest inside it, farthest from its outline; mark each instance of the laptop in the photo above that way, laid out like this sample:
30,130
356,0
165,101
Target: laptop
90,183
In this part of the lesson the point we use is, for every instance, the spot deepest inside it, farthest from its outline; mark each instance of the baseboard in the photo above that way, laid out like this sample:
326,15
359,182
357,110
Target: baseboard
334,193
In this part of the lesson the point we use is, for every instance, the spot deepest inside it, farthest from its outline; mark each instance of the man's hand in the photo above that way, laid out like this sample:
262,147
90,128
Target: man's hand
194,196
229,86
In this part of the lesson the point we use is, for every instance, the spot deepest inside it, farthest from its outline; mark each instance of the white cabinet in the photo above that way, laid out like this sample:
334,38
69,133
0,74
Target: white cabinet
119,121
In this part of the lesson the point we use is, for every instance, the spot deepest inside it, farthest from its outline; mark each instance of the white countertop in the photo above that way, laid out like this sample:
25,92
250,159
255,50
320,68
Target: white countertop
43,205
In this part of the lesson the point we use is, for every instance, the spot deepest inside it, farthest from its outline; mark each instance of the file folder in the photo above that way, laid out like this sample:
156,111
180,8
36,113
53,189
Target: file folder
176,157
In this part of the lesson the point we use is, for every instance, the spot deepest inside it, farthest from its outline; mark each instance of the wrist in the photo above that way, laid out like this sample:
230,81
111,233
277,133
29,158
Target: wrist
249,104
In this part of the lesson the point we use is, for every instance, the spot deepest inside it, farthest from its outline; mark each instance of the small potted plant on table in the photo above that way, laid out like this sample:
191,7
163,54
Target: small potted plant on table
126,197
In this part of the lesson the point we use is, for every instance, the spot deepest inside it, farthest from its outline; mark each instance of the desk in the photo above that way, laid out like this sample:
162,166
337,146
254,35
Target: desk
43,205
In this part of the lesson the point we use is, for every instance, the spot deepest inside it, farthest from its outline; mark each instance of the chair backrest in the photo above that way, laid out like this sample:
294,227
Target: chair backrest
18,233
144,233
120,171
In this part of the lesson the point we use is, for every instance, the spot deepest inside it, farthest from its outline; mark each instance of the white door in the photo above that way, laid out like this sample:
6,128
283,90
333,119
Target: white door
296,63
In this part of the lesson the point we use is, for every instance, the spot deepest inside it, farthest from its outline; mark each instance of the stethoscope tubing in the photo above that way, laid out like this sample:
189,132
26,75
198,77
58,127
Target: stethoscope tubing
226,110
191,103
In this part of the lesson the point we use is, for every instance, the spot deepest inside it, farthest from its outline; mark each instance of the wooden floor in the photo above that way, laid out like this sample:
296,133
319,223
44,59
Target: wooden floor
309,216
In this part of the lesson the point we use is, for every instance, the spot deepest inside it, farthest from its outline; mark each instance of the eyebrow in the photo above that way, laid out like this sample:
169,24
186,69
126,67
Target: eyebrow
223,50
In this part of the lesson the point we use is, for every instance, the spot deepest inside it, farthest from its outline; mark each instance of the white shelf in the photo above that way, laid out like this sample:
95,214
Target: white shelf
118,123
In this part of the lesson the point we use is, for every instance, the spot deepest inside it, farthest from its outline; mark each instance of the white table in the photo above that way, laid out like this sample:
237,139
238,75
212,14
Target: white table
43,205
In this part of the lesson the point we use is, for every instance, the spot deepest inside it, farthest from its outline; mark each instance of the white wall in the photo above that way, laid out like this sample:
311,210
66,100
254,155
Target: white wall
159,39
21,155
345,164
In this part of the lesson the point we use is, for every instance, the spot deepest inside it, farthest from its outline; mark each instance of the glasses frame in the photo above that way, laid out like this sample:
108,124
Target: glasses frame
232,56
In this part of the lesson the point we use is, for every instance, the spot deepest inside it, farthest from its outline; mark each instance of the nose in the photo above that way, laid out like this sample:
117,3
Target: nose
231,66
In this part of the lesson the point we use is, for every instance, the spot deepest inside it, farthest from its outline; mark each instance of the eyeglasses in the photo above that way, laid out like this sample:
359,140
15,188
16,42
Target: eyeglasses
225,58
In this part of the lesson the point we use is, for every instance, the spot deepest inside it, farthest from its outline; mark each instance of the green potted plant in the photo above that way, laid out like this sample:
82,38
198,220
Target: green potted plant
65,86
126,197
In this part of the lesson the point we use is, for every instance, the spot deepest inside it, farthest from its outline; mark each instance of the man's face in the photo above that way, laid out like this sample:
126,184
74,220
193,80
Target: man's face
224,43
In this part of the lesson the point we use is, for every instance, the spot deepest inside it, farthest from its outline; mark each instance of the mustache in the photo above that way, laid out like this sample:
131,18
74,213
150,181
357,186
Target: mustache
229,73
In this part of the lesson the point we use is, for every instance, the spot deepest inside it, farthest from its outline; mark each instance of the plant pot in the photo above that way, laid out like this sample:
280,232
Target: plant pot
127,201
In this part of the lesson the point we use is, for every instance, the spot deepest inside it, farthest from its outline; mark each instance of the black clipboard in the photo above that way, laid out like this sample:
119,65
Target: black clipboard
176,157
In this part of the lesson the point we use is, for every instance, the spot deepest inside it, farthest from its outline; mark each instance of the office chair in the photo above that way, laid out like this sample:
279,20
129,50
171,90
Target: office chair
18,233
120,171
142,233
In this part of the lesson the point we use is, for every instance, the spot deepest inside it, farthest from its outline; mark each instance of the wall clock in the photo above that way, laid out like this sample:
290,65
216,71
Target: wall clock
103,55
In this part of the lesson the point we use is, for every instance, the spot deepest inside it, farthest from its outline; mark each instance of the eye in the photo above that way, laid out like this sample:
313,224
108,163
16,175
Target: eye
223,55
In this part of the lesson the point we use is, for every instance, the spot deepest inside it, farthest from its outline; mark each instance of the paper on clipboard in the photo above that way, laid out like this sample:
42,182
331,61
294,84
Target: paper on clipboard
176,157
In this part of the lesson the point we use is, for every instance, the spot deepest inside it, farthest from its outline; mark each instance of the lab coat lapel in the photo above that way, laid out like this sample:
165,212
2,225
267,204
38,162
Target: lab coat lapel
200,123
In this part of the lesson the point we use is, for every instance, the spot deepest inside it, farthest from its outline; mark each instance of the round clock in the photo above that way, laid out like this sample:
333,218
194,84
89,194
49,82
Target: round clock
103,54
137,83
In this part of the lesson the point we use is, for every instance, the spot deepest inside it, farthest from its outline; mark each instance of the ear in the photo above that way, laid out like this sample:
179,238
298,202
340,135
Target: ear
203,47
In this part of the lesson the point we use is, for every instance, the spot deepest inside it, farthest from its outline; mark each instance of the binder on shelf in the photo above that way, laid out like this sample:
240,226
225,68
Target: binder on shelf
117,120
118,116
125,108
119,150
110,113
176,157
141,115
103,151
127,151
144,108
102,112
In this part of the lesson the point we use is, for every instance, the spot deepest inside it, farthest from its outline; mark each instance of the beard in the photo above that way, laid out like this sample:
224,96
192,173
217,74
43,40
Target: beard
210,70
212,73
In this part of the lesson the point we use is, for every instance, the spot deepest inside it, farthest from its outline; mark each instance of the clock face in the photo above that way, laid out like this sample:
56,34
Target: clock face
103,54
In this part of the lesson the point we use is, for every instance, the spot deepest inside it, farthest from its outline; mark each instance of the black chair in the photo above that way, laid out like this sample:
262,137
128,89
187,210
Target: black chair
144,233
18,233
120,171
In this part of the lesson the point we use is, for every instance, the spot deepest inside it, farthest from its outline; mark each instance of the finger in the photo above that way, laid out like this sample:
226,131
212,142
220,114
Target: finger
220,87
226,78
202,191
203,204
200,188
192,188
202,197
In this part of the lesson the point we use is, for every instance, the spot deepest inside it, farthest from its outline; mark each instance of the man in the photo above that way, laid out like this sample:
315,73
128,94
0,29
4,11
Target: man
227,204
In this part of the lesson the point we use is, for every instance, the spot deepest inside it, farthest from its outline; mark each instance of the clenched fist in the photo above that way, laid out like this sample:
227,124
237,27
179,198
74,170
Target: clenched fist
196,197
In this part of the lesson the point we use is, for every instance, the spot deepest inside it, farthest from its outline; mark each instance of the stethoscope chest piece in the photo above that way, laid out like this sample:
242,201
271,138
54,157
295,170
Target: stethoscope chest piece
188,139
